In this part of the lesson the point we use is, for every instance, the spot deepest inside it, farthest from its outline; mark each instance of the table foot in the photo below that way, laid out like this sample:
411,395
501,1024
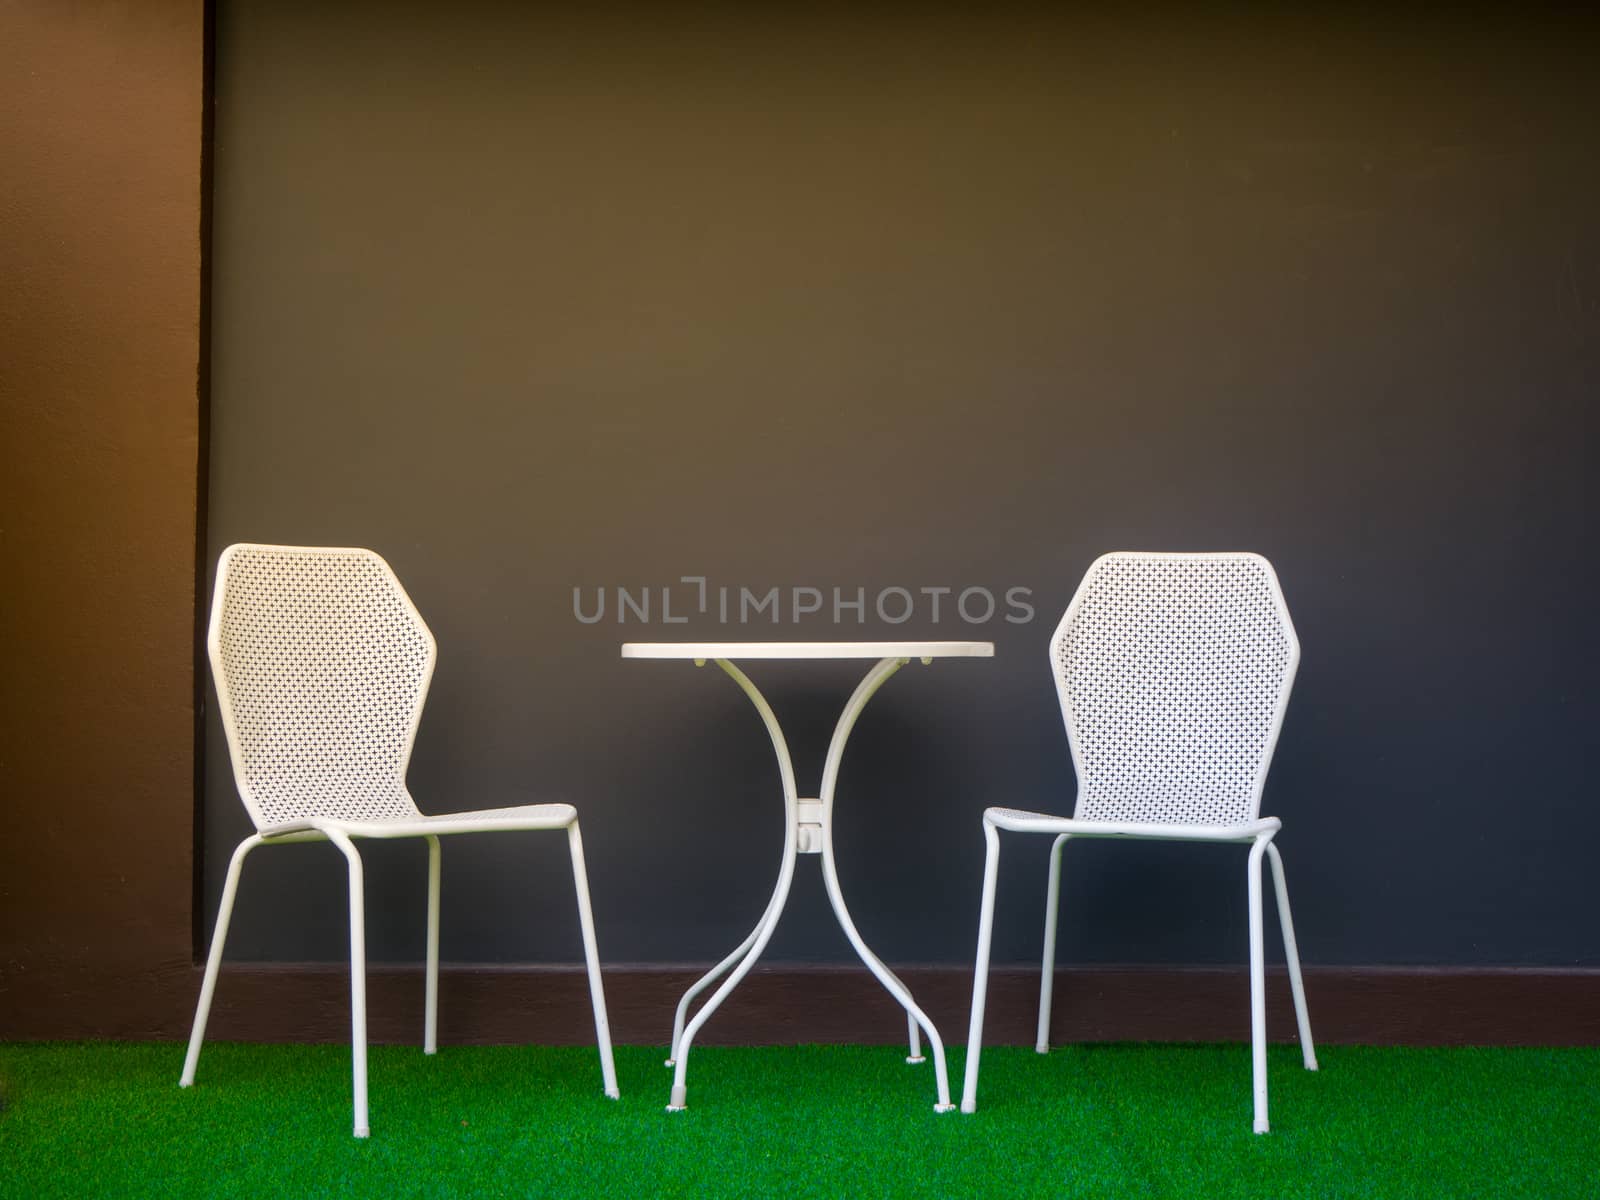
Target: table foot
680,1099
944,1108
914,1059
672,1062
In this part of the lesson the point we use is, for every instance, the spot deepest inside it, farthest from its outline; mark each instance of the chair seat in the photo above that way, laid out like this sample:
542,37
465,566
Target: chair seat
483,820
1019,820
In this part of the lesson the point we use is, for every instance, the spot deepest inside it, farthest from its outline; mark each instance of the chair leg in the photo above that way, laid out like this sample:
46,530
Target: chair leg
591,956
980,970
1258,991
219,936
1308,1050
358,982
1047,966
430,1008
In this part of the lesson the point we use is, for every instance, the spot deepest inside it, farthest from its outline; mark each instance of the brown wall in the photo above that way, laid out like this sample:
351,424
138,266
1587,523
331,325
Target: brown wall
100,300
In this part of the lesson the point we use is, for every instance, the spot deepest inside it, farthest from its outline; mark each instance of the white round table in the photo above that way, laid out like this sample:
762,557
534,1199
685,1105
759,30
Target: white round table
808,830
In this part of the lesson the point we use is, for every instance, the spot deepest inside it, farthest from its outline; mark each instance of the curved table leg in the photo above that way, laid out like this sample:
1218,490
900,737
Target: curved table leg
716,972
750,949
875,679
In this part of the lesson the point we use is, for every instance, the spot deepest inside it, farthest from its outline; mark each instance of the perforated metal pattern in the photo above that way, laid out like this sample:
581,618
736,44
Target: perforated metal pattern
1173,670
323,665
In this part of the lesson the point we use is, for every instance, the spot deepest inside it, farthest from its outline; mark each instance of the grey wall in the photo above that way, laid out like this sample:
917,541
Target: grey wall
530,302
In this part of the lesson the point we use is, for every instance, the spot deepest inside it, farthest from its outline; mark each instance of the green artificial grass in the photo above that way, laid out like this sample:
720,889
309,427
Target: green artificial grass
108,1119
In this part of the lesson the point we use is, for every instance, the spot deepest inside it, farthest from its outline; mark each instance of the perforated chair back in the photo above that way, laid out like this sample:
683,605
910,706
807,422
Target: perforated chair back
321,664
1174,671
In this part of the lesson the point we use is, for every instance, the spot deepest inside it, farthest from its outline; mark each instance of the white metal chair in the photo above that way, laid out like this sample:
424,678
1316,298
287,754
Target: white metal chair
1173,671
322,665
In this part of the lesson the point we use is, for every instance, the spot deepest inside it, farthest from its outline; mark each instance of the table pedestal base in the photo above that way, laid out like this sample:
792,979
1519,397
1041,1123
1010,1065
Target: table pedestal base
808,830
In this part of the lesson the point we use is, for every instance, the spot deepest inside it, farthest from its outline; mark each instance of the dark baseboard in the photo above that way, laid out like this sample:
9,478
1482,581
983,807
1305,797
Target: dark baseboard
795,1004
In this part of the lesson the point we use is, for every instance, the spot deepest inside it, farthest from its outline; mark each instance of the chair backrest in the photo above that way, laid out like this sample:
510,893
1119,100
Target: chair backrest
321,664
1174,671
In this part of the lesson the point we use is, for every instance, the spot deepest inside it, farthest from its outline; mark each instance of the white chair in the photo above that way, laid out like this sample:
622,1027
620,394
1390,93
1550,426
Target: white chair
322,664
1173,671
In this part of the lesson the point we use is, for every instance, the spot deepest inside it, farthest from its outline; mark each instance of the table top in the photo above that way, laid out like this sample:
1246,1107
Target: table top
732,650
